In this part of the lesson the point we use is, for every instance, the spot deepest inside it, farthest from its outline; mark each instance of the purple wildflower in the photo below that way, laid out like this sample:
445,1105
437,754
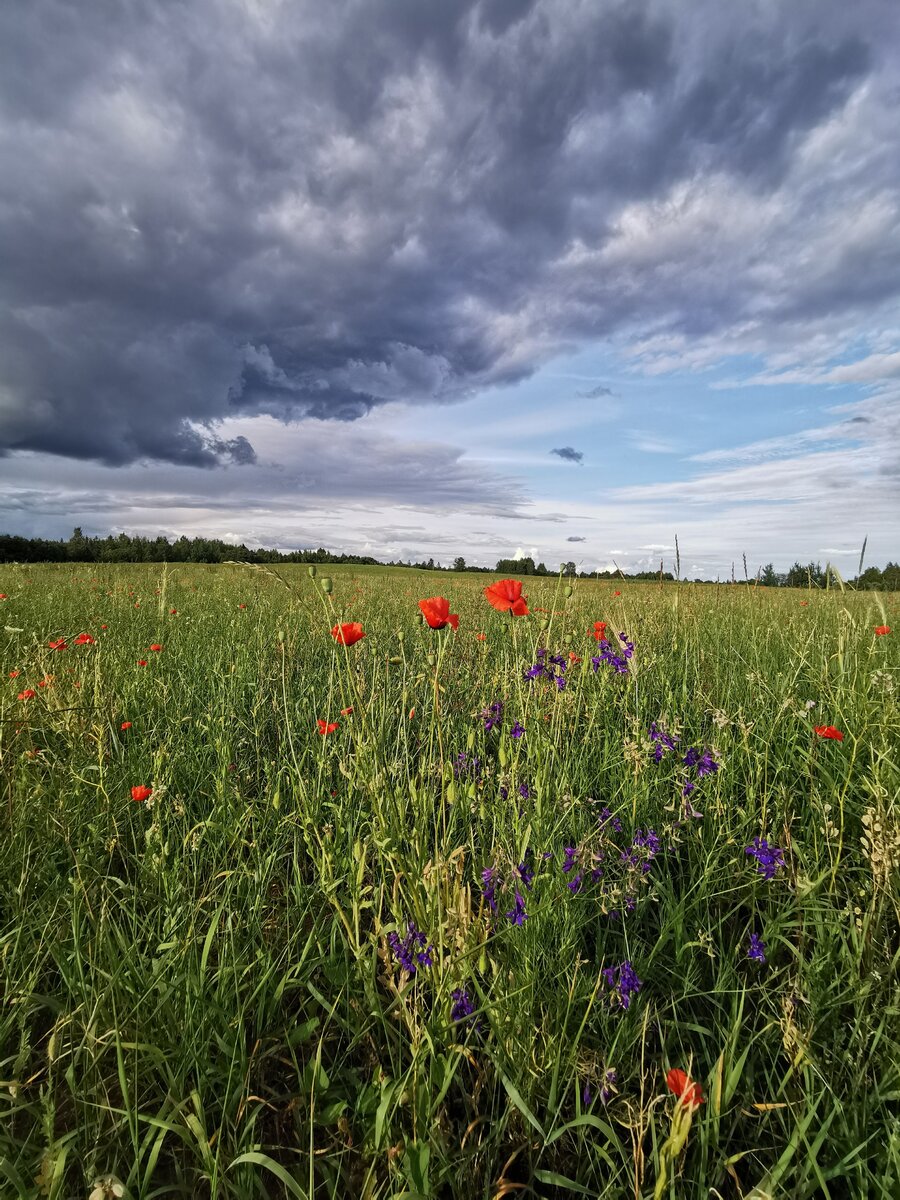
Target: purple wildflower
523,791
570,853
517,730
768,857
623,982
607,818
492,716
606,1092
489,891
517,914
757,950
662,741
586,1098
462,1004
405,951
465,767
574,884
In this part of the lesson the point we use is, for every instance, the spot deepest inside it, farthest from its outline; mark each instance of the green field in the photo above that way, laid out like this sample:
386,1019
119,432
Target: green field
202,992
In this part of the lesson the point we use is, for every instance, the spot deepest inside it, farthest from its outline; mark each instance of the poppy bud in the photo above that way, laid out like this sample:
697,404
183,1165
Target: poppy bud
568,592
311,571
545,624
400,636
326,585
395,660
431,660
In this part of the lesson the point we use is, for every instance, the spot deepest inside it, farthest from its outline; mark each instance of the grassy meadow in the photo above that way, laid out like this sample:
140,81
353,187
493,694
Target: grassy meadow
456,945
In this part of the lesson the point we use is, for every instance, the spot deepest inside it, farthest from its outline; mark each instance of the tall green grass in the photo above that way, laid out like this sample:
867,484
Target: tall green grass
198,994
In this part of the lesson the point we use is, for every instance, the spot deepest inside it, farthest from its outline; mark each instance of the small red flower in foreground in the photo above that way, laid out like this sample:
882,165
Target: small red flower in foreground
45,682
573,657
142,662
242,606
103,627
345,712
599,630
28,694
348,634
481,637
324,726
3,595
881,630
436,612
506,596
59,644
156,646
173,612
804,604
125,725
684,1088
617,593
84,639
829,731
13,674
141,793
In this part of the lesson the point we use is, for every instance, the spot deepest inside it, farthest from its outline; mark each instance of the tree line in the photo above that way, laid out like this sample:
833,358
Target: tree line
128,548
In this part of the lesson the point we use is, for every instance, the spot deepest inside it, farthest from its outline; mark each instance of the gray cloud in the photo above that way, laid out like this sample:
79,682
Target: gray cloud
569,453
596,392
576,539
312,210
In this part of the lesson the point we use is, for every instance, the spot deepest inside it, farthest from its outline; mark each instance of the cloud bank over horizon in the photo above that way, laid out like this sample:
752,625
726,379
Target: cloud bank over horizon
351,222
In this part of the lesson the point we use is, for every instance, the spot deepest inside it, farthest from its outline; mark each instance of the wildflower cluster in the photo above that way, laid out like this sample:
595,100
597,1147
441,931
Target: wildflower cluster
697,762
769,859
498,882
467,768
492,716
413,951
620,871
623,983
608,652
543,668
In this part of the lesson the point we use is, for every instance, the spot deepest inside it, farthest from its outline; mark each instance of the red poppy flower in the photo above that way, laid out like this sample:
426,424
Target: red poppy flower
242,606
28,694
506,596
684,1088
573,657
829,731
617,593
324,726
84,639
3,595
599,630
481,637
881,630
60,644
125,725
103,627
345,712
173,612
436,612
804,604
348,634
13,674
142,662
141,793
156,646
45,683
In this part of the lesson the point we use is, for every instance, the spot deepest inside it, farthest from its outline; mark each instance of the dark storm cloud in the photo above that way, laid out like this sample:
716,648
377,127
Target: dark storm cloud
225,209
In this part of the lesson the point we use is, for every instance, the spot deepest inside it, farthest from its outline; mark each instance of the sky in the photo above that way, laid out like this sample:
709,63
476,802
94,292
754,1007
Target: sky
491,278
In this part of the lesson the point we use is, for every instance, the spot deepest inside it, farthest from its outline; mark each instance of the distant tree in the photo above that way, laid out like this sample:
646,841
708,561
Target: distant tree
569,569
768,578
459,564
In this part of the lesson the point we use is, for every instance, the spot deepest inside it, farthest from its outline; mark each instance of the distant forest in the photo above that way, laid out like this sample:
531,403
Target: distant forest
124,548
